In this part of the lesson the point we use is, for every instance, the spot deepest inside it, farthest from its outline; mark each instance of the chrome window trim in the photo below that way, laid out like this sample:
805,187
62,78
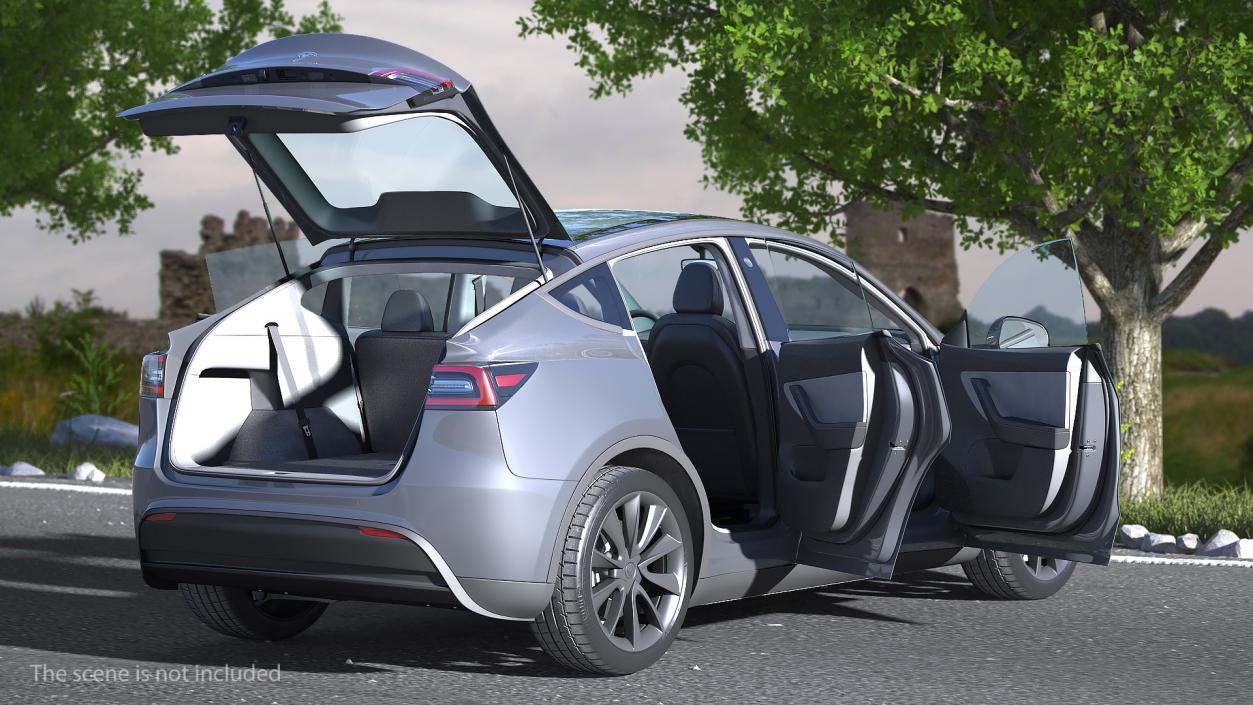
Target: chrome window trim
885,302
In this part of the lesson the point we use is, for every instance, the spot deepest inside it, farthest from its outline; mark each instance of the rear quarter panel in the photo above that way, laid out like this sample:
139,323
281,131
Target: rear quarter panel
592,389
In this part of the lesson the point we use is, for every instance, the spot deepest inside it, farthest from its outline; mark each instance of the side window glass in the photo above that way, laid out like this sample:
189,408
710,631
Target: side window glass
884,319
816,300
367,295
593,294
648,282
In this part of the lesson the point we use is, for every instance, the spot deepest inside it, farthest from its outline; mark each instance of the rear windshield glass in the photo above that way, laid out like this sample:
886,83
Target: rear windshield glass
423,174
425,153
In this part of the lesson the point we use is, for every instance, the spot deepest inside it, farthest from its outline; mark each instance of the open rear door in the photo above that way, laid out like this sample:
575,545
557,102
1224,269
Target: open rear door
861,421
1032,466
860,417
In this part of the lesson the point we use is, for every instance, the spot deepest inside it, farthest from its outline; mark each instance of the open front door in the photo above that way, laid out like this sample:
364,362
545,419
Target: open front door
1032,466
860,418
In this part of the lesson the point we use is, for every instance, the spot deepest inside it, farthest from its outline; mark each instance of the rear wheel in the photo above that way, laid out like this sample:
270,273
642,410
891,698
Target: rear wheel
246,614
625,576
1017,576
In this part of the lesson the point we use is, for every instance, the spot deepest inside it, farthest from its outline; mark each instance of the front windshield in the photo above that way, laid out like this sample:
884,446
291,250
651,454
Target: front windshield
1033,299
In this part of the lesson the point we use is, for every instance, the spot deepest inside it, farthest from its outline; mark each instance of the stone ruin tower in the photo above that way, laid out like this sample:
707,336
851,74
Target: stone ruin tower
917,258
184,280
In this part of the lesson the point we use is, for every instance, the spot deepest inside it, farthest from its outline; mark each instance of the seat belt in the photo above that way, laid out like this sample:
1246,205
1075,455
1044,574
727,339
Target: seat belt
356,385
281,366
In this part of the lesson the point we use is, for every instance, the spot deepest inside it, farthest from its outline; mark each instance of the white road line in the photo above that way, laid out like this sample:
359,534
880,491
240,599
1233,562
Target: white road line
1164,560
89,489
66,589
54,557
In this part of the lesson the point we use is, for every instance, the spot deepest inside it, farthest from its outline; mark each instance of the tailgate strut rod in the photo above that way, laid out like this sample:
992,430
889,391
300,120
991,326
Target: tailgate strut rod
235,131
526,218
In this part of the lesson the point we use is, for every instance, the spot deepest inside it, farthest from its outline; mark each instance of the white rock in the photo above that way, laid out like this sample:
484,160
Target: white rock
88,472
1159,543
1244,549
1222,543
100,430
1226,545
21,469
1188,543
1132,535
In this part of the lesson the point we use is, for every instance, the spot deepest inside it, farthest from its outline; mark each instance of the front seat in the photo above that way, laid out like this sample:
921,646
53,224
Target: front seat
696,361
394,369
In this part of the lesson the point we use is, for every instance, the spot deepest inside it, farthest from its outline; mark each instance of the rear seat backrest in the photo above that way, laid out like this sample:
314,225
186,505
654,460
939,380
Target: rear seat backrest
394,368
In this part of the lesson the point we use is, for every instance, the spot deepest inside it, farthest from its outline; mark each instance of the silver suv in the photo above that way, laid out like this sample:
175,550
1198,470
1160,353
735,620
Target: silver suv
449,394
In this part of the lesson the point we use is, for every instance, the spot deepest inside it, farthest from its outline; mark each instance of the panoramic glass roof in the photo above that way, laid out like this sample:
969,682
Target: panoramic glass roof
586,224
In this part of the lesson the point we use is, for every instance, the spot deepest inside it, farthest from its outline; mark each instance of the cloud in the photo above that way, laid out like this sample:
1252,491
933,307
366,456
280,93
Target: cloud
622,152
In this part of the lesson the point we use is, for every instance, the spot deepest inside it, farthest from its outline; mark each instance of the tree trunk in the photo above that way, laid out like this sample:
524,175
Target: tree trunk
1133,348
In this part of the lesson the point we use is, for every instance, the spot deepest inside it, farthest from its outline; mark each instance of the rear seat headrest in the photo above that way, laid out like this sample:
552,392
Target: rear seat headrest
698,290
407,312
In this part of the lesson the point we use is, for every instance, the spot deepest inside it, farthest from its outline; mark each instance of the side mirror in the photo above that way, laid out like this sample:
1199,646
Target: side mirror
1015,332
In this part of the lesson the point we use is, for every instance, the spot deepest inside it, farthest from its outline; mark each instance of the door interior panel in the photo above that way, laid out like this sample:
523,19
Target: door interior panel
1080,525
822,436
1029,437
850,495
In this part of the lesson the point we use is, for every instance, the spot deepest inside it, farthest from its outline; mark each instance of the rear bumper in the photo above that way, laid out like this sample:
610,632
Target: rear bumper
318,557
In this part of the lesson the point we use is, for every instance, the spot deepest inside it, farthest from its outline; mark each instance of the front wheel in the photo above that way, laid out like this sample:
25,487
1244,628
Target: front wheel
246,614
625,576
1016,576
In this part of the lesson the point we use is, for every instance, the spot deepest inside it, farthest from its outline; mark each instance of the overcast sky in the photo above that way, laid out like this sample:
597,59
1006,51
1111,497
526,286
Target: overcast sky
612,153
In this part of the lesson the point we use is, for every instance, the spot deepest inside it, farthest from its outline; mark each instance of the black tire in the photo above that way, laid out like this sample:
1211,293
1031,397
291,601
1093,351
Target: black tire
571,629
235,612
1014,576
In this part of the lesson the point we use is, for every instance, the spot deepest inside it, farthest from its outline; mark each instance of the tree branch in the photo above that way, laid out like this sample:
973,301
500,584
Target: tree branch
1099,285
916,92
1177,291
1080,208
1191,227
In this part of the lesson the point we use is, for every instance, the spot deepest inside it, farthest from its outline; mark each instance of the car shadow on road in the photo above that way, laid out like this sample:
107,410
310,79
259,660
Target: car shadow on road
841,600
78,595
83,595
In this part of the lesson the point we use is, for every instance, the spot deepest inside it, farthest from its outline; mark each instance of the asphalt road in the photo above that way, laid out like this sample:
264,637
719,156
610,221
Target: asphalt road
71,600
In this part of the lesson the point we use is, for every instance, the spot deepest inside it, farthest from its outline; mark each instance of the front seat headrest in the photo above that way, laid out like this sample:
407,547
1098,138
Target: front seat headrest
698,290
407,312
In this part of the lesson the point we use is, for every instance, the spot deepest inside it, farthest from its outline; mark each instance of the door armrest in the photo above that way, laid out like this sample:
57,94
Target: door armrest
1019,431
829,436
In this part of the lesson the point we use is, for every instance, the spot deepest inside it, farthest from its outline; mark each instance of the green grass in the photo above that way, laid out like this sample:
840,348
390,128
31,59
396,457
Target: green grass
35,449
1198,509
1207,422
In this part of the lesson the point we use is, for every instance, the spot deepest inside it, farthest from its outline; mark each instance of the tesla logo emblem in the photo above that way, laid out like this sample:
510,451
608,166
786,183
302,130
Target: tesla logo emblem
305,55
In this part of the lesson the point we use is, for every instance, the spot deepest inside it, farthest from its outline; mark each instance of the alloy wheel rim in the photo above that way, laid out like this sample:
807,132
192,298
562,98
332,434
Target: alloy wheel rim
638,571
1044,568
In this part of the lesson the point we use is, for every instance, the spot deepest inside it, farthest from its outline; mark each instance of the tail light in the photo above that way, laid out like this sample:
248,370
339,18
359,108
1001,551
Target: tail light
428,83
476,386
380,533
152,376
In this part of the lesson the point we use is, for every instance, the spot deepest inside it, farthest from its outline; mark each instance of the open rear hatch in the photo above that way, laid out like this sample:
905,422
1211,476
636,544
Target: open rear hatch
358,137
